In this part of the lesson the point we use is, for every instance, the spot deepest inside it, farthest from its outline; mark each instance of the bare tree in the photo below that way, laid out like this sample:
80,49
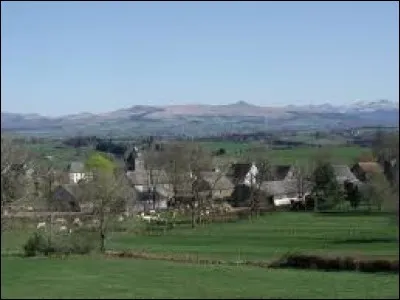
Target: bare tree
108,193
386,151
220,169
184,163
380,194
301,176
171,161
258,155
152,161
386,146
15,161
47,177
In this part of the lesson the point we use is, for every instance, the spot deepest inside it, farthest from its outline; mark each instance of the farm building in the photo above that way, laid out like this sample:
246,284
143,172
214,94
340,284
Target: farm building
245,173
242,173
76,172
343,174
284,192
150,189
220,185
66,198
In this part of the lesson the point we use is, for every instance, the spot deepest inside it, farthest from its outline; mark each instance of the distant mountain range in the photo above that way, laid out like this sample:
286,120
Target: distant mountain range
202,120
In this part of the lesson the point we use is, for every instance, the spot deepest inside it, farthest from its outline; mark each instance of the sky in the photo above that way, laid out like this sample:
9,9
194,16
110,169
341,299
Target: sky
61,58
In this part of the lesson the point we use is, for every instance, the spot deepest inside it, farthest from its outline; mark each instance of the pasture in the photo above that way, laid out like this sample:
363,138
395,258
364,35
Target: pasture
337,154
260,239
95,277
271,236
61,154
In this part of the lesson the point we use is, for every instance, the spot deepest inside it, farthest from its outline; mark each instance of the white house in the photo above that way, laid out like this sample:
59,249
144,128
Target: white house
76,172
285,192
250,177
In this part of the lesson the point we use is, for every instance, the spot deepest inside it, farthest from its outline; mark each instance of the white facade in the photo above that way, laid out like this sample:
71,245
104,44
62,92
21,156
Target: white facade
75,177
284,200
148,205
250,177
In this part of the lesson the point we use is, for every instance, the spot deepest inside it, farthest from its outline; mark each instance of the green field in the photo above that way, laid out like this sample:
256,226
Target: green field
271,236
265,238
61,155
93,277
337,154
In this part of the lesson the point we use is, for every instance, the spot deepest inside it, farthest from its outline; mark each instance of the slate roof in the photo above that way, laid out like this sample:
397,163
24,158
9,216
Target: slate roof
76,167
284,187
238,171
142,177
280,172
65,204
73,189
217,181
344,173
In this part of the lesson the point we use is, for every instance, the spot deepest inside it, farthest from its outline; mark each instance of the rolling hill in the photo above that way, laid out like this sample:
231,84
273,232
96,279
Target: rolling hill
200,120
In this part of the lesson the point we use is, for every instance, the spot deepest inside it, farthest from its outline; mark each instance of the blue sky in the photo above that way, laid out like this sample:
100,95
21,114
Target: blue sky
61,58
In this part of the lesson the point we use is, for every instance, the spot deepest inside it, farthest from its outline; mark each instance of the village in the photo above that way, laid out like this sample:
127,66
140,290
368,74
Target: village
153,186
199,150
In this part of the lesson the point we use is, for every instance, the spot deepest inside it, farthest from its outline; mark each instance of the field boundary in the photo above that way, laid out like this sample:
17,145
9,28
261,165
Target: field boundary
295,261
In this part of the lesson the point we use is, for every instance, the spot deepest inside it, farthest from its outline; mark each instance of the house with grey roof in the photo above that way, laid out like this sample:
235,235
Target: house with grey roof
159,190
285,192
151,189
280,185
245,173
343,174
219,184
76,171
66,198
282,172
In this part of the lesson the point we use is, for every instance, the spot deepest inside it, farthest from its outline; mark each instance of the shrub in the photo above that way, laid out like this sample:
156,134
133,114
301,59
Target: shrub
81,243
35,243
297,206
220,151
378,266
75,243
300,261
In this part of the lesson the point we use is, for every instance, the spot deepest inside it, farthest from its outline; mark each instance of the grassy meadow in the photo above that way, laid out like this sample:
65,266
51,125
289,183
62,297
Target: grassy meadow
262,239
61,154
271,236
337,154
93,277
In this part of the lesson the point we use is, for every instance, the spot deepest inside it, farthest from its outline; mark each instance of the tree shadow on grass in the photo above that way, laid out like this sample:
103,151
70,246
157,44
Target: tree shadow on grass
365,240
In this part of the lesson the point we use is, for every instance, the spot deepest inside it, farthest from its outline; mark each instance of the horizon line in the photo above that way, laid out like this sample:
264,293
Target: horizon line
242,102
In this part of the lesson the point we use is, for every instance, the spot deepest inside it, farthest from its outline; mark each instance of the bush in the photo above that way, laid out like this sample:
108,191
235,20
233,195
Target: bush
300,261
220,151
297,206
76,243
79,243
34,244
